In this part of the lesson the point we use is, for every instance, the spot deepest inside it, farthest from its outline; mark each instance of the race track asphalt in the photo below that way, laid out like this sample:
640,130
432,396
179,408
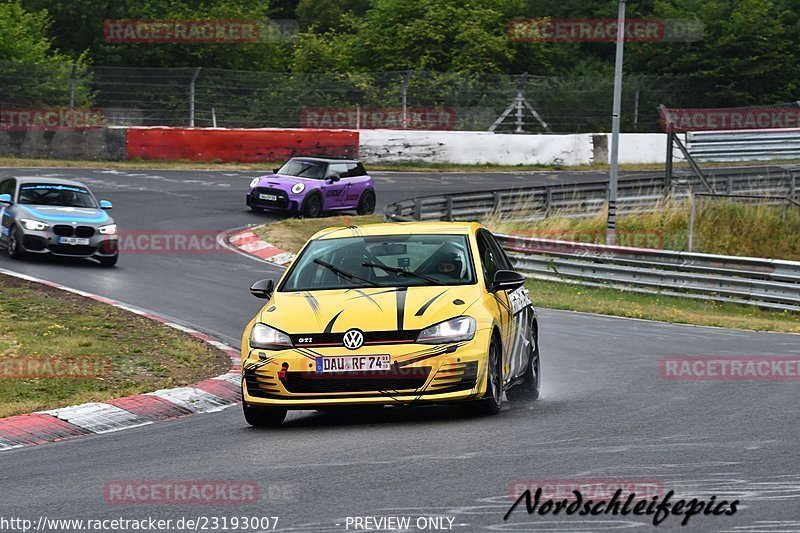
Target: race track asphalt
605,413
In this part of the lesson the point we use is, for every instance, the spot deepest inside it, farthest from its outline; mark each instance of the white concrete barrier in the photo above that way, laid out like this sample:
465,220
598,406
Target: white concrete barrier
477,147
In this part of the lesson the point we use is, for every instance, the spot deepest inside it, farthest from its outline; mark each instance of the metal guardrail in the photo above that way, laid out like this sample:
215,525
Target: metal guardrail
744,145
765,283
774,184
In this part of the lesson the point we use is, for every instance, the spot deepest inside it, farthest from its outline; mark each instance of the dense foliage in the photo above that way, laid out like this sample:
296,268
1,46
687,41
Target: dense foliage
746,55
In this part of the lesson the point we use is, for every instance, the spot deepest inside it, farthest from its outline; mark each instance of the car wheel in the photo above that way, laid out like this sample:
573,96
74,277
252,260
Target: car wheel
312,207
532,378
14,246
109,261
263,417
366,204
492,401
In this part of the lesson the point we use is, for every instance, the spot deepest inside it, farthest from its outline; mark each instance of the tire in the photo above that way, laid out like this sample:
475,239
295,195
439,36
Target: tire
492,401
109,261
532,378
312,207
366,204
265,417
14,244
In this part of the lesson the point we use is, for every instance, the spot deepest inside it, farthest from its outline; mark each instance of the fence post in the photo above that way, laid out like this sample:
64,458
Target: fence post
72,77
496,202
448,216
548,200
691,220
417,209
406,81
191,96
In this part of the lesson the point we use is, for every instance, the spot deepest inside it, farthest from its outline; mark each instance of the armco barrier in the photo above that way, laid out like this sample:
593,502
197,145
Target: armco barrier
243,145
767,283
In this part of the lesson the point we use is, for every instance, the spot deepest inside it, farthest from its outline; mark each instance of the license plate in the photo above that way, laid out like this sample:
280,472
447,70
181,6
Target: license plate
353,363
268,197
72,240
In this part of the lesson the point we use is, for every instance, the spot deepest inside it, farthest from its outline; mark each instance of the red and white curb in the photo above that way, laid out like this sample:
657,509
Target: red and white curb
249,243
53,425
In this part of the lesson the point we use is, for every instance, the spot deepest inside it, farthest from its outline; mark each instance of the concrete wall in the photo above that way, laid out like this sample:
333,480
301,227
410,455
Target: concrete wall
107,144
467,148
373,146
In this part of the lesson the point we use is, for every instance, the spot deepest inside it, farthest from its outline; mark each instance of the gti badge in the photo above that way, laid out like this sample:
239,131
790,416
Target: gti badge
353,339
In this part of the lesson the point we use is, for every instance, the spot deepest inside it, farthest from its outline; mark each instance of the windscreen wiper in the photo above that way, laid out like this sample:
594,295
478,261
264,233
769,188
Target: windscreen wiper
347,275
402,272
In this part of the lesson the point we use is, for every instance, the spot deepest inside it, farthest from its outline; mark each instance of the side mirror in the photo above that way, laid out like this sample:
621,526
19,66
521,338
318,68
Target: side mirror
507,280
105,204
263,289
275,170
5,198
334,178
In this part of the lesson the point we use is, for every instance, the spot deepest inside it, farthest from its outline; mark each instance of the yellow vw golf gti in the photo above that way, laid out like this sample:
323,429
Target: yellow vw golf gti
391,314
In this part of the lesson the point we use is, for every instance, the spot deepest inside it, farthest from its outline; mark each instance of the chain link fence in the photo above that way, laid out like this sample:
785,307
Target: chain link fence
415,100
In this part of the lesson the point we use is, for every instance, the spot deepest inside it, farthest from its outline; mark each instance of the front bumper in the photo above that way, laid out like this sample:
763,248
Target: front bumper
420,374
285,202
46,242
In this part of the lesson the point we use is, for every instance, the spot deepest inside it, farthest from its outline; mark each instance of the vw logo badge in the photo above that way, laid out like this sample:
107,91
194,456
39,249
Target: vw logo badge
353,339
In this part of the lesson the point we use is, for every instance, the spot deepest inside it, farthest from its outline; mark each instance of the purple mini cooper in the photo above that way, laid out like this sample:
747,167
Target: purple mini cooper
312,185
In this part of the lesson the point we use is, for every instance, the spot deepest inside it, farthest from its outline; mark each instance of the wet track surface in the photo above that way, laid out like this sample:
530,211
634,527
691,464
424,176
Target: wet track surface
605,413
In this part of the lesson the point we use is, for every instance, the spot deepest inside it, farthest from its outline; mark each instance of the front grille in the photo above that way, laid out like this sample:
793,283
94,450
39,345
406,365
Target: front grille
72,249
63,230
84,232
396,379
455,376
282,201
370,337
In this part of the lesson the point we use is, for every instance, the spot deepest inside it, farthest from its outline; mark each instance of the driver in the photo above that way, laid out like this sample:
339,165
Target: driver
449,265
66,197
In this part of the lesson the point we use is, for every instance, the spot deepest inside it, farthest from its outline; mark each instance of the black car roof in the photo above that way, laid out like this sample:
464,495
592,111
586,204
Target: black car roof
327,159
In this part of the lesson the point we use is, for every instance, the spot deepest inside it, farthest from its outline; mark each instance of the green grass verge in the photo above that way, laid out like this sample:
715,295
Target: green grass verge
120,353
291,234
721,226
266,166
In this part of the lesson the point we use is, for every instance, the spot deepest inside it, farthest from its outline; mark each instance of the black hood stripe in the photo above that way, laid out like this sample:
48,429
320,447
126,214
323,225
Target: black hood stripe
329,327
428,304
401,307
312,302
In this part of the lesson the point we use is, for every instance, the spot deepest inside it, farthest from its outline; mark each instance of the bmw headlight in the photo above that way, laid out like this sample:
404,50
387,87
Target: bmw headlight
254,182
268,338
454,330
34,225
110,229
297,188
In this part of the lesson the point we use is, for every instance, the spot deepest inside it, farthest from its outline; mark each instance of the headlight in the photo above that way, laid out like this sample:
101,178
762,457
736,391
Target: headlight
268,338
110,229
34,225
254,182
453,330
297,188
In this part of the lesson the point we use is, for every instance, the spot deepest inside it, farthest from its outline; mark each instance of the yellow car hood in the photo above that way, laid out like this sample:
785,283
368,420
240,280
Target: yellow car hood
368,309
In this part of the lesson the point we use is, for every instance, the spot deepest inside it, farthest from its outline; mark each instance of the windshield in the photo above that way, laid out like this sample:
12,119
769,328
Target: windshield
303,169
382,261
57,195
